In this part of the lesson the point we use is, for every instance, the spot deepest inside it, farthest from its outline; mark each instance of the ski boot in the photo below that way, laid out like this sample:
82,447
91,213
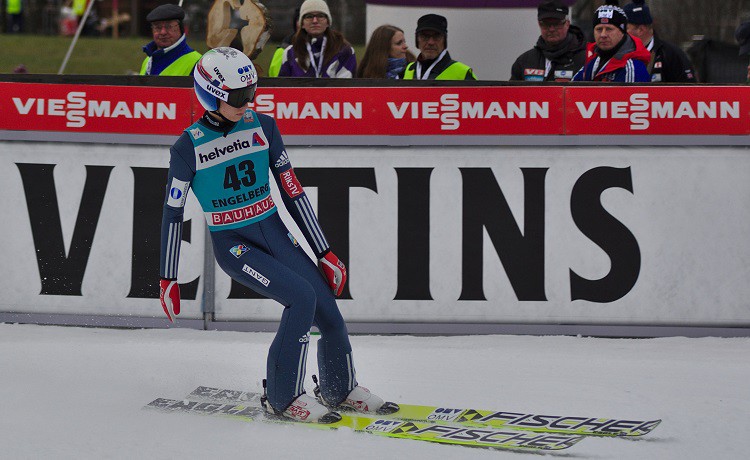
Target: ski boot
360,399
304,409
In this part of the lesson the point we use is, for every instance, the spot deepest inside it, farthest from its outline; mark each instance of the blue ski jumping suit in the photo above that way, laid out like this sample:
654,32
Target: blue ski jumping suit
227,166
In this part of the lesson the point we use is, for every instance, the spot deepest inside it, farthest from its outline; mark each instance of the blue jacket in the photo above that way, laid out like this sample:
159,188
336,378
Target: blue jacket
229,175
627,65
160,59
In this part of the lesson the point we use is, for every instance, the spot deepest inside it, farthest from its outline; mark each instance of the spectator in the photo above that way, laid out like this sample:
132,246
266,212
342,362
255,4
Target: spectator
68,21
79,8
668,62
278,55
317,50
434,62
387,54
615,55
91,22
168,54
14,14
742,35
559,52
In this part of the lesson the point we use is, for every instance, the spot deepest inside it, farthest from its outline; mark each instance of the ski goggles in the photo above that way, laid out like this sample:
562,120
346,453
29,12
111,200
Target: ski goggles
240,97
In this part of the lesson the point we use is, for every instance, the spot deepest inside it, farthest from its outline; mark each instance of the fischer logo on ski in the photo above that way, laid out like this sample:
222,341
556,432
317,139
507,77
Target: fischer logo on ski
471,418
364,423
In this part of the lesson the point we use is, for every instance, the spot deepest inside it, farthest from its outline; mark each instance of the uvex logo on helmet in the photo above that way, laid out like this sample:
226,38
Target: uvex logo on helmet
220,71
206,75
214,90
219,75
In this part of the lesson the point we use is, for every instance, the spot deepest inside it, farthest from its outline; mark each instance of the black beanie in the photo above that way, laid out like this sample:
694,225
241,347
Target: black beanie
638,12
611,14
432,22
742,35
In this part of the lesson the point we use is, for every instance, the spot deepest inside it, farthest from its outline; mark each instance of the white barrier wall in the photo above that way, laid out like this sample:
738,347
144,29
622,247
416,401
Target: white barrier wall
494,235
84,266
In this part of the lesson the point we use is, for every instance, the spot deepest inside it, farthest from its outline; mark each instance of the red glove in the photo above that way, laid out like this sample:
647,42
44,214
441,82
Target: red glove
334,271
169,294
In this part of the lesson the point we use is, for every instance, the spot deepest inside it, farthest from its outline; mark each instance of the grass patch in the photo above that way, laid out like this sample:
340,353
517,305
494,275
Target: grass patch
44,54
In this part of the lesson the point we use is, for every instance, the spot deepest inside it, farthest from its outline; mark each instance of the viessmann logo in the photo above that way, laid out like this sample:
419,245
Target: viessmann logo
293,110
451,110
639,110
78,109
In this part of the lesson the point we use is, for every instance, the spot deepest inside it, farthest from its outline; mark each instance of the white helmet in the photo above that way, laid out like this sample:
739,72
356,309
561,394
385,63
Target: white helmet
227,74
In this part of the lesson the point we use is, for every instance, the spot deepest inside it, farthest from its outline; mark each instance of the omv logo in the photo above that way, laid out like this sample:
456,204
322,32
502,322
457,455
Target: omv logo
247,73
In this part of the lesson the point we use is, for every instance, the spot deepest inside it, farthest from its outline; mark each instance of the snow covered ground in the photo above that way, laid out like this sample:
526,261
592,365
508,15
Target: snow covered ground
71,393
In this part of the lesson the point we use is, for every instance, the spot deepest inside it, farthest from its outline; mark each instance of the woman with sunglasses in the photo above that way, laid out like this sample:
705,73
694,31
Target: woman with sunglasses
225,157
317,51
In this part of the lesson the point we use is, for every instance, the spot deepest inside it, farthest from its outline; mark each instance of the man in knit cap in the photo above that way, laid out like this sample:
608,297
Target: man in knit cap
668,62
615,56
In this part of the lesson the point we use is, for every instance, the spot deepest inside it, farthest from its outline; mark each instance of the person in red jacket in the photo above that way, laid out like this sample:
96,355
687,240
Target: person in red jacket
615,56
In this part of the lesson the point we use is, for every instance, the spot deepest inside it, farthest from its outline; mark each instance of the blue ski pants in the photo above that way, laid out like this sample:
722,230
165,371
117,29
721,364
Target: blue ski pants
265,257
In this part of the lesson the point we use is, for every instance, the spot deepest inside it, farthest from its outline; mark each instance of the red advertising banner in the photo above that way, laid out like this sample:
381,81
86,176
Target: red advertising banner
94,108
705,110
414,111
402,111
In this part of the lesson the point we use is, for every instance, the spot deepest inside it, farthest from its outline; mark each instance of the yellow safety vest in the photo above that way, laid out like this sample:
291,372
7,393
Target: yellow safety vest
182,66
275,66
455,71
13,7
79,7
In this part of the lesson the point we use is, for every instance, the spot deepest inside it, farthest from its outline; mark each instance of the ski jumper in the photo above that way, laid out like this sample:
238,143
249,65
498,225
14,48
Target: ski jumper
228,170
